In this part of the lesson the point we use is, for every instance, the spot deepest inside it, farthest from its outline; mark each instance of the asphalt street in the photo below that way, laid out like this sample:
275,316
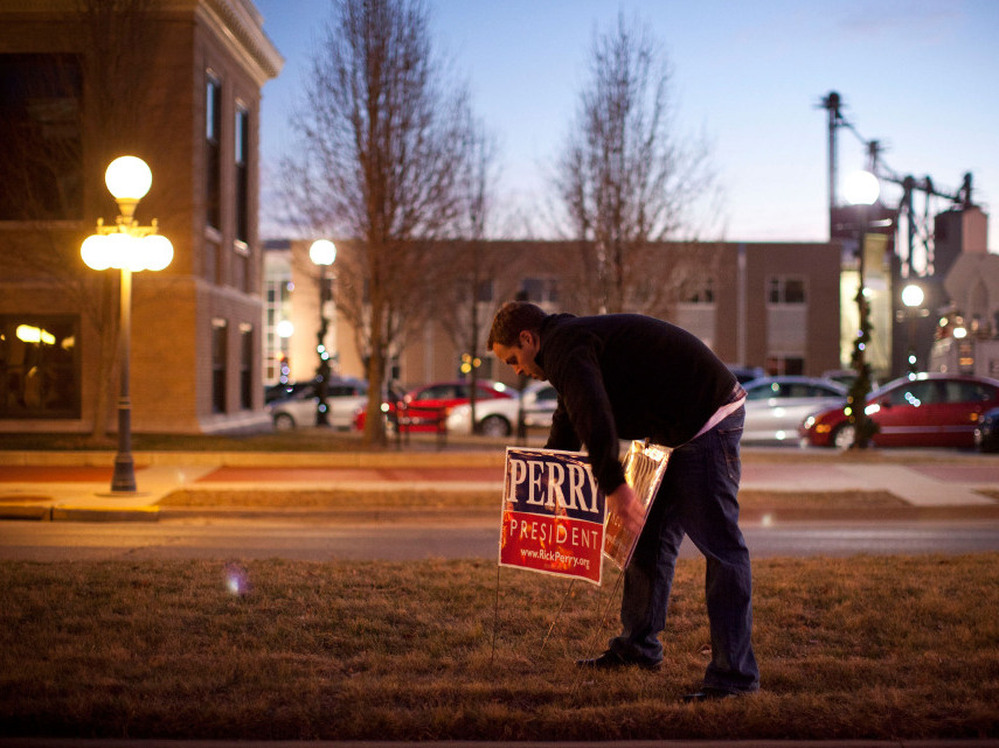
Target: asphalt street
322,540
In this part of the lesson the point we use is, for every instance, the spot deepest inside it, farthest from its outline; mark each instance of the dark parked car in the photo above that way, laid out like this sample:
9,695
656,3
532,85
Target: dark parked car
928,410
987,431
747,373
286,390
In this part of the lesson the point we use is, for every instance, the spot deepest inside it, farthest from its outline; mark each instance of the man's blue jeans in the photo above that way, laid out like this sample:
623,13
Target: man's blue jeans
697,497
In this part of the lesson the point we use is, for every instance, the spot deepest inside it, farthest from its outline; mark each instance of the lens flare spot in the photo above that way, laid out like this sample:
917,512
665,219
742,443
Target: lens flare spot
237,580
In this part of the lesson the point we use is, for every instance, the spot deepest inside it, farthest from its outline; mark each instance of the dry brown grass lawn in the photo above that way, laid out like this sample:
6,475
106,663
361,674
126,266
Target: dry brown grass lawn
865,647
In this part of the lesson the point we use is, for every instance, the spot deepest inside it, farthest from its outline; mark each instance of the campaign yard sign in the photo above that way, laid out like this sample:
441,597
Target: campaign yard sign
555,518
644,467
553,514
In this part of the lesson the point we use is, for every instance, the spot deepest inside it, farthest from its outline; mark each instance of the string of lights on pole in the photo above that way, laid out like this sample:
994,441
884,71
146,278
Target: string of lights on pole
323,255
862,190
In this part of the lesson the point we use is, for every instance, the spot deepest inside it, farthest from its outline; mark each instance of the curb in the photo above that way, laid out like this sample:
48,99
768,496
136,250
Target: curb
25,511
78,513
105,514
105,459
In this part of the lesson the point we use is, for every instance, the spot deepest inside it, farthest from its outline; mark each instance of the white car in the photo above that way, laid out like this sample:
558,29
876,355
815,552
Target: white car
344,397
499,416
776,406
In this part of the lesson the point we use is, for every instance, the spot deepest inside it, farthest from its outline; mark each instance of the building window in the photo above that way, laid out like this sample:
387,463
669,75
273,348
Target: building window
786,289
701,293
213,152
220,357
41,171
484,292
39,366
240,272
277,334
213,262
786,324
695,309
246,366
242,157
540,290
779,365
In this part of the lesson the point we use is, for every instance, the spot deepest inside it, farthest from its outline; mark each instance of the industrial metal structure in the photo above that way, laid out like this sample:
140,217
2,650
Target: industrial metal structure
918,244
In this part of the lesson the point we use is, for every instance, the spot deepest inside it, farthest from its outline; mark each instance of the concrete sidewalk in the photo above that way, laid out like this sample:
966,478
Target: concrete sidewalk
76,485
918,484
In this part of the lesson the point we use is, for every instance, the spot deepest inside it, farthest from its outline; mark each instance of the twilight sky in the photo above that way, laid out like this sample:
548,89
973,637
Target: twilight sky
921,76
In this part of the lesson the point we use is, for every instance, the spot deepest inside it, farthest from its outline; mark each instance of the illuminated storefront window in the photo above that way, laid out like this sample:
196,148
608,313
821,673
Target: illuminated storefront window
39,366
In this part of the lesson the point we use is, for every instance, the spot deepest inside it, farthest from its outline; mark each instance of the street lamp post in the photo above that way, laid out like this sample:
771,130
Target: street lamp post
323,254
912,298
130,248
861,189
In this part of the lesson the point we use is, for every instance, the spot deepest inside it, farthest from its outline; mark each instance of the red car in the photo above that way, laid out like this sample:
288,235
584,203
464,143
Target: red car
427,407
929,410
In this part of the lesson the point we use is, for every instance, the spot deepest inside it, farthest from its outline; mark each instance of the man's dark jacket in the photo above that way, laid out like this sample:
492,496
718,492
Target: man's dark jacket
627,376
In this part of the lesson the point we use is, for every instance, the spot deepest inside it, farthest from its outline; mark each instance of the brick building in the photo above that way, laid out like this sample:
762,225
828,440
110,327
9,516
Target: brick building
185,97
769,305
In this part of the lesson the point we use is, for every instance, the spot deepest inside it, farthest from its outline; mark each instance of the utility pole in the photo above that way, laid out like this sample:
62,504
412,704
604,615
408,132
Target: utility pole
832,104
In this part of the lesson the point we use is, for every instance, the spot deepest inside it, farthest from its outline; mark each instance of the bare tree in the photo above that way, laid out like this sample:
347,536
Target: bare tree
466,270
626,181
383,141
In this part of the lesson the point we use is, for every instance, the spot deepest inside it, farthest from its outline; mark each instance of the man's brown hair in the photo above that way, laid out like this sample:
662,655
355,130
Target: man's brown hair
511,319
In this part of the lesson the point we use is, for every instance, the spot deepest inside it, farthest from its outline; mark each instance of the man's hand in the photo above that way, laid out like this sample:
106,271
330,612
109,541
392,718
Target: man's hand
624,502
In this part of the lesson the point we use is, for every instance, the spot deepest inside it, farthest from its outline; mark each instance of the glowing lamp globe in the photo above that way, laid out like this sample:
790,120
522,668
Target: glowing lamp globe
157,251
322,252
912,296
94,252
861,188
121,250
128,178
